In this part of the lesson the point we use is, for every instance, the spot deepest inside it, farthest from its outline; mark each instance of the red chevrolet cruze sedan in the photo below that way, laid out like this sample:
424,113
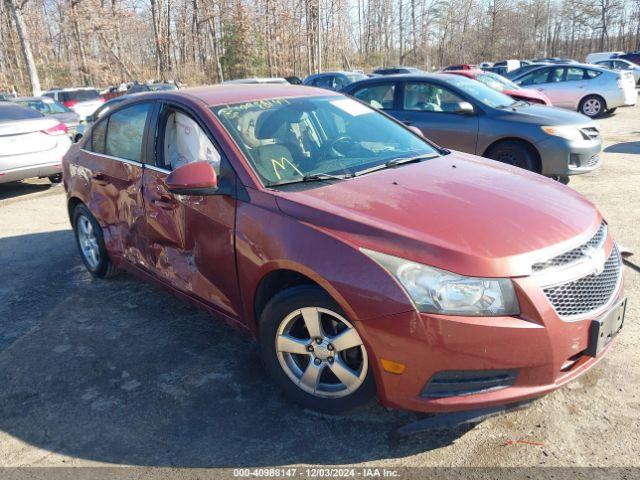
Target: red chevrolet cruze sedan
365,259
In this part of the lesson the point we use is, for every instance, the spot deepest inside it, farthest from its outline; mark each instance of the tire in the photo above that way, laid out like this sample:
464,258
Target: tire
592,106
282,318
57,178
514,152
89,239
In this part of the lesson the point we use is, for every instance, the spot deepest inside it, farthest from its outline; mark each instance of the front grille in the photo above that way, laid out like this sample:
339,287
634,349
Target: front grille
453,383
587,293
592,161
595,242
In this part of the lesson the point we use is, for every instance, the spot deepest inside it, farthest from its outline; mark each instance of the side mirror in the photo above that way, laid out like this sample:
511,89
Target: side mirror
464,108
415,130
89,119
197,178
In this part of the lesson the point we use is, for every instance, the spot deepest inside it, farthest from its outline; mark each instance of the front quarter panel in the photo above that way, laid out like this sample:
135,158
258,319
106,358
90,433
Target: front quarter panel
268,240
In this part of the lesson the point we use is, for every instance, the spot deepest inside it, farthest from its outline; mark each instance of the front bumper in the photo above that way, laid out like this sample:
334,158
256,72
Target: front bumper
546,352
569,157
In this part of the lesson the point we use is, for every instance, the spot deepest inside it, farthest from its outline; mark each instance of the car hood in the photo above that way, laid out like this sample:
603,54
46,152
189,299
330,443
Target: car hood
458,212
543,115
528,94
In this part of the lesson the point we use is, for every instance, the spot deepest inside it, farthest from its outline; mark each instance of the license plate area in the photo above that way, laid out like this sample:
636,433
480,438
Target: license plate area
605,328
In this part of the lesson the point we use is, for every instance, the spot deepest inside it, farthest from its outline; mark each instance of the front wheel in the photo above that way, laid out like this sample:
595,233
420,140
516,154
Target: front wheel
91,243
592,106
313,352
514,153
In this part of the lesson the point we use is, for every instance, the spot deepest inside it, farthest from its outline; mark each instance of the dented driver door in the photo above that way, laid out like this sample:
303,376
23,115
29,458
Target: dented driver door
190,237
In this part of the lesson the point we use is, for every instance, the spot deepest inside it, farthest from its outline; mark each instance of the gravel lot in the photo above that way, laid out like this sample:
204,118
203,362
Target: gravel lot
120,372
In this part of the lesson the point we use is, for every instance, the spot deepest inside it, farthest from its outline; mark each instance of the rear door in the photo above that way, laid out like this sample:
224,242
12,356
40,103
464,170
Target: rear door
431,107
190,239
567,86
112,160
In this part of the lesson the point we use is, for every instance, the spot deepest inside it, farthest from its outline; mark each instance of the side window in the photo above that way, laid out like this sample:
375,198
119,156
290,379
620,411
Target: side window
98,135
536,77
126,131
324,81
574,74
426,97
378,96
185,142
557,75
338,82
589,74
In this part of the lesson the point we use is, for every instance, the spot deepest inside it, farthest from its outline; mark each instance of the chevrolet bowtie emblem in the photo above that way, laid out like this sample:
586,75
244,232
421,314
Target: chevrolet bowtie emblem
596,259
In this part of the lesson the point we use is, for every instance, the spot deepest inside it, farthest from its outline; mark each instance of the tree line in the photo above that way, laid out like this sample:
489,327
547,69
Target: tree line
57,43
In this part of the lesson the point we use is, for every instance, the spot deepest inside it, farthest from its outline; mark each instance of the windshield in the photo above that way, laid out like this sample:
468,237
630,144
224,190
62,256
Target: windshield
288,139
481,92
497,82
46,107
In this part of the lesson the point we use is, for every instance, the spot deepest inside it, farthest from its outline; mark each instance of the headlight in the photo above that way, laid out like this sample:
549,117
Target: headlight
438,291
564,131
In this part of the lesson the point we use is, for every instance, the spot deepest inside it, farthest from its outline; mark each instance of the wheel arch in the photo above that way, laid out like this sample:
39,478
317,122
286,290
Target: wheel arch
72,203
280,278
604,101
532,148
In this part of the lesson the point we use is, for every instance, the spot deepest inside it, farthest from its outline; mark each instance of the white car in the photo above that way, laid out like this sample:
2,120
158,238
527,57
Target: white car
589,89
599,56
31,145
621,64
83,100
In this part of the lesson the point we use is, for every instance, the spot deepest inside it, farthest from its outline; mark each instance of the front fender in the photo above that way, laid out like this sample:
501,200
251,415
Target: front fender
268,240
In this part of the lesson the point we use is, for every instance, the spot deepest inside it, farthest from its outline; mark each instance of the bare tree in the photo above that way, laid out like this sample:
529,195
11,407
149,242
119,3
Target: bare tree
25,43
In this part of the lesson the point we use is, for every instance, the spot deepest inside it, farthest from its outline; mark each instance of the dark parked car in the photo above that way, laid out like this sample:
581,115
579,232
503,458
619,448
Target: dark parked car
524,69
554,60
632,57
463,114
364,259
333,80
396,70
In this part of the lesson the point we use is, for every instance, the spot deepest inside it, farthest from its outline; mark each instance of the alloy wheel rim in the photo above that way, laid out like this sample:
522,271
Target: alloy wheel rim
321,352
592,107
88,242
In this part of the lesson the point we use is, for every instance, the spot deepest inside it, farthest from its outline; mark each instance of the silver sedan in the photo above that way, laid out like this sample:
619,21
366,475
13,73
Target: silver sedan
621,64
589,89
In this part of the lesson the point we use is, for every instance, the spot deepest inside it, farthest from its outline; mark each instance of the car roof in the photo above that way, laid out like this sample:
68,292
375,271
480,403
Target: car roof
244,92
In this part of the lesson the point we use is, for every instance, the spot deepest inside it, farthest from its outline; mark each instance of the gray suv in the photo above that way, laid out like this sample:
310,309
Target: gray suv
463,114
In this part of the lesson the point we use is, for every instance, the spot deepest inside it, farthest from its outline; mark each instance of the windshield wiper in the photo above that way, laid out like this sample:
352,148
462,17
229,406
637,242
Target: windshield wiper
313,177
394,163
